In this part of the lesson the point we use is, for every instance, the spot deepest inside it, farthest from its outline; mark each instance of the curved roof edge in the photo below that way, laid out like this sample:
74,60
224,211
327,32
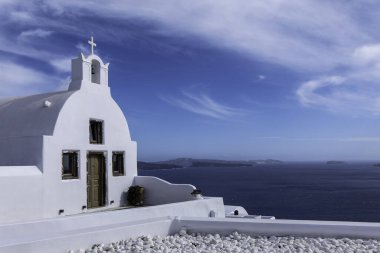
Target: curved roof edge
34,115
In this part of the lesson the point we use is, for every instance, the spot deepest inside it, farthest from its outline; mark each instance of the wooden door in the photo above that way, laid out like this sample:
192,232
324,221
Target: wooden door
96,180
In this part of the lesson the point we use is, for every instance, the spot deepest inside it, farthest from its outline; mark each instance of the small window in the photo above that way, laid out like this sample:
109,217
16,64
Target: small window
96,132
69,165
118,163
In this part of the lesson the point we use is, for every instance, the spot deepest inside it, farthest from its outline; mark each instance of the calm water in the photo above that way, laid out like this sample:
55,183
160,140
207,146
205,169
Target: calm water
316,191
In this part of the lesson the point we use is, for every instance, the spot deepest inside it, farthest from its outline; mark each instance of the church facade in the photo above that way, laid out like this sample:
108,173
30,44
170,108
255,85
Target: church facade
66,152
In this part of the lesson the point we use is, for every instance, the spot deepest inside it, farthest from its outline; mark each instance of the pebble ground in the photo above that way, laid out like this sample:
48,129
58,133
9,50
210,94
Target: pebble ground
184,242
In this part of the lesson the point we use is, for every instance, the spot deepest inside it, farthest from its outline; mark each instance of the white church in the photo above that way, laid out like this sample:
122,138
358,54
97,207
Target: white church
67,160
65,152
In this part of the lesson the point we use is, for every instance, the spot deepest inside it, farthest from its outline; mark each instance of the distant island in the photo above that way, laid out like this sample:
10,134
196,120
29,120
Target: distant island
192,163
155,166
334,162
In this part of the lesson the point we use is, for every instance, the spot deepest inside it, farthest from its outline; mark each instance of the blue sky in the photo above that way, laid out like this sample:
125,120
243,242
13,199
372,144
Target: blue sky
288,80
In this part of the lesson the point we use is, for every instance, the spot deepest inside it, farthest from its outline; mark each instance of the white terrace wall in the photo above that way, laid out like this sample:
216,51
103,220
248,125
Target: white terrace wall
308,228
21,193
72,133
159,192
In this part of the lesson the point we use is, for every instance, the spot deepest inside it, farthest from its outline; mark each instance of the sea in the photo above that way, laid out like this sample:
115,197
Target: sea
301,191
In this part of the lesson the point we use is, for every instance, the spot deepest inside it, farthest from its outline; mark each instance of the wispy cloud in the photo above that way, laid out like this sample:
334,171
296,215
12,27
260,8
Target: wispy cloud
203,105
34,33
261,77
62,64
305,36
20,16
18,80
309,96
83,48
354,91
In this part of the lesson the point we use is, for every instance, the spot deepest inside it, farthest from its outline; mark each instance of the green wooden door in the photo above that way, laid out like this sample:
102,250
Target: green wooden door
96,183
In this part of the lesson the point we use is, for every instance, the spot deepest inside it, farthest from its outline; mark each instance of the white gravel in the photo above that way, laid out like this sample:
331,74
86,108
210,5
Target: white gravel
235,242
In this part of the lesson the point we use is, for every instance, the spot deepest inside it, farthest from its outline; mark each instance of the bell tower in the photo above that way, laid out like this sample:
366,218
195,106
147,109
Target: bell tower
88,71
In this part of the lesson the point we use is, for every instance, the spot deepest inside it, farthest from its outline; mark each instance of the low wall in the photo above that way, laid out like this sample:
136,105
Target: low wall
64,242
231,211
336,229
60,237
20,193
158,191
84,230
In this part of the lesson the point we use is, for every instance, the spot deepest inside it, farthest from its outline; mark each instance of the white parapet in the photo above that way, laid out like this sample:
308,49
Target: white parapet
238,211
61,235
268,227
25,200
159,191
81,231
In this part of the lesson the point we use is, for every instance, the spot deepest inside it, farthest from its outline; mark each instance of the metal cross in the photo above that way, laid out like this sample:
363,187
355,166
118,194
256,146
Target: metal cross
92,43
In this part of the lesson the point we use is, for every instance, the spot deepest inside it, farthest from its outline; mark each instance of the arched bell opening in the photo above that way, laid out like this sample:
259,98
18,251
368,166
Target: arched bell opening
95,71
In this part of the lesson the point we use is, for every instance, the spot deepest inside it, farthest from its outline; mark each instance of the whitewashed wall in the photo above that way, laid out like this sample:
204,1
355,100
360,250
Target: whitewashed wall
21,193
158,191
72,133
